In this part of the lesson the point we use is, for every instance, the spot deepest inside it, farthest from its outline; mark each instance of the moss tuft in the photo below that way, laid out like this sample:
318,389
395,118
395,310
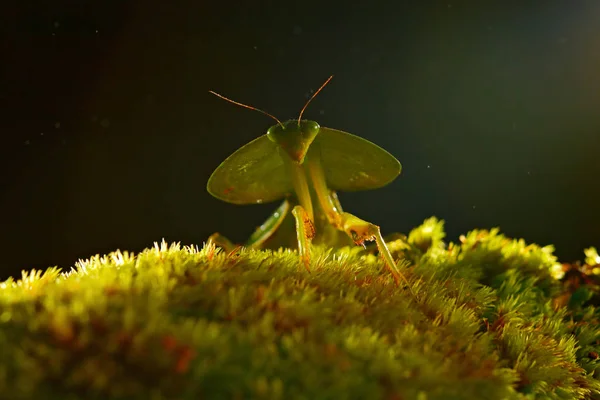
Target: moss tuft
494,318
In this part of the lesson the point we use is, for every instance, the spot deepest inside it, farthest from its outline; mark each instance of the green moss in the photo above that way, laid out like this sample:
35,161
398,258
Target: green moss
492,320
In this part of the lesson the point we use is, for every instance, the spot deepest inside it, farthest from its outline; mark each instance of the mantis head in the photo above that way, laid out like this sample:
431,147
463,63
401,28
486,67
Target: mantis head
294,137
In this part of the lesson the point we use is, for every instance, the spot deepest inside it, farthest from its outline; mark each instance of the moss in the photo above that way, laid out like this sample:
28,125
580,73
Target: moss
494,318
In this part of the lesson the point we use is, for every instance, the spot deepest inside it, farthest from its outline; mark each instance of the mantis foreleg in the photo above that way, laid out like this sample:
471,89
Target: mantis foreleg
306,231
358,229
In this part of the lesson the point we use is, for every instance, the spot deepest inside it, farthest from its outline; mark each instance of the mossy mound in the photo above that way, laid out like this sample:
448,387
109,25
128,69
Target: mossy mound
492,319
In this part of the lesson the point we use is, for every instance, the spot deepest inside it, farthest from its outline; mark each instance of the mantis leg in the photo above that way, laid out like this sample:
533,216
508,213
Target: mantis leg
303,213
305,230
221,241
266,230
359,230
261,234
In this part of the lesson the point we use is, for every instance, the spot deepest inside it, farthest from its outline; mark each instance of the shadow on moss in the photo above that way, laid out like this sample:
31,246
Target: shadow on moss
494,318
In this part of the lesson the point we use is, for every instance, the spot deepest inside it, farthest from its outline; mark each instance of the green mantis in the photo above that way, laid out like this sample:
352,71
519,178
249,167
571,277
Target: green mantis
304,164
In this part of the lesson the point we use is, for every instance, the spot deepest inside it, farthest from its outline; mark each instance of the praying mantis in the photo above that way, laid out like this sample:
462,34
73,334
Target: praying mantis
304,164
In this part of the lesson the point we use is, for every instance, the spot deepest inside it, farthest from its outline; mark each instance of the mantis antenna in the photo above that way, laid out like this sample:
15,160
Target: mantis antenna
312,97
250,107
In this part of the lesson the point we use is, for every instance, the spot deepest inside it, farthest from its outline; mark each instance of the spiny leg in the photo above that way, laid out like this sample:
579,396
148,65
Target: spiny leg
261,234
358,229
306,231
303,213
398,239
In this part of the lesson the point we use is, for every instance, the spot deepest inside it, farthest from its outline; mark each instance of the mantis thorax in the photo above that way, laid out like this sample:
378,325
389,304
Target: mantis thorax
294,137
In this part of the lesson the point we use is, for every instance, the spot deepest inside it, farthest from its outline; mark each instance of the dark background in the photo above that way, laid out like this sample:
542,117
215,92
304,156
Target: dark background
108,133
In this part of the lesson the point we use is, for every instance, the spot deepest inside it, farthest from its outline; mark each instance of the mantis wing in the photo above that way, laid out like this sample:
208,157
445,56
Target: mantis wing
352,163
255,173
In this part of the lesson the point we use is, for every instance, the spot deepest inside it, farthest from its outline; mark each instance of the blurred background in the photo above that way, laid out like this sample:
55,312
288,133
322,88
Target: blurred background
109,134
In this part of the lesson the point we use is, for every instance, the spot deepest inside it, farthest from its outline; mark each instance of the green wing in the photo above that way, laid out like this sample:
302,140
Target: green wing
255,173
352,163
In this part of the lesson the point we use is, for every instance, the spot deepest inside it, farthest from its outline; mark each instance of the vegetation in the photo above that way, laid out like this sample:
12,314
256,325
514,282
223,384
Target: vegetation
493,318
